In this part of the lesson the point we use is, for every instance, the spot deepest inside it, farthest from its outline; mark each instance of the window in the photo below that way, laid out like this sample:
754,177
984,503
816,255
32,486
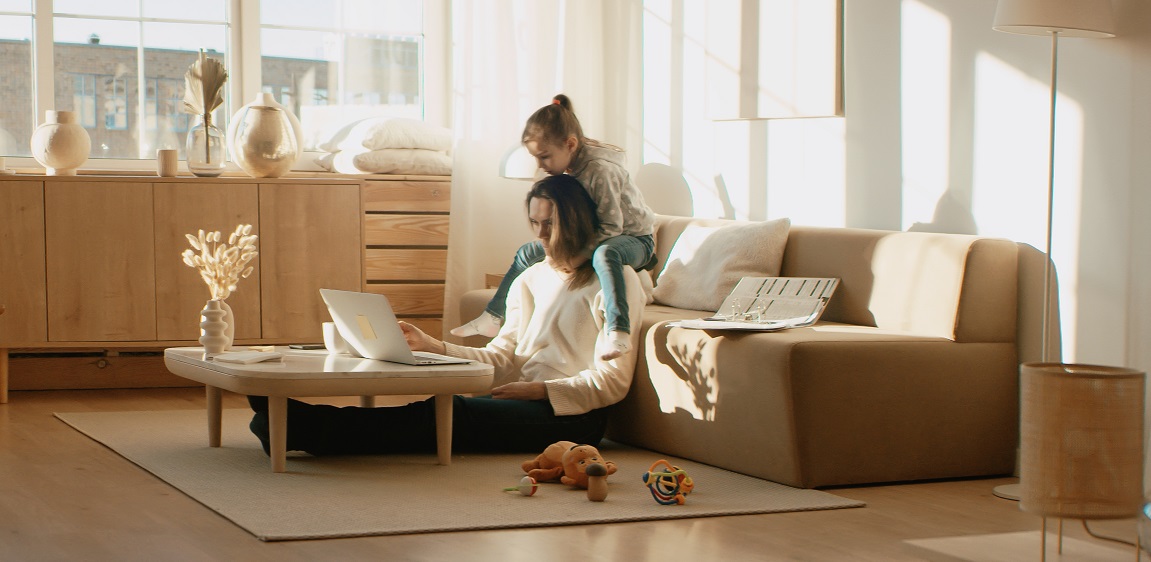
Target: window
162,107
127,46
17,120
115,104
84,99
335,61
120,64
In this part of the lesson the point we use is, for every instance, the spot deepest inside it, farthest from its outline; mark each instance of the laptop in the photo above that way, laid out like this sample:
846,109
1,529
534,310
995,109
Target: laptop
368,324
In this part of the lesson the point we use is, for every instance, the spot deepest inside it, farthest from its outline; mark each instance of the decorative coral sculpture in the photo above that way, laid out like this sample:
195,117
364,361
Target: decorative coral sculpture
222,265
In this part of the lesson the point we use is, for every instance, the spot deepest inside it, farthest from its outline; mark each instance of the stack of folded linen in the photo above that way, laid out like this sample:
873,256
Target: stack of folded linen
382,145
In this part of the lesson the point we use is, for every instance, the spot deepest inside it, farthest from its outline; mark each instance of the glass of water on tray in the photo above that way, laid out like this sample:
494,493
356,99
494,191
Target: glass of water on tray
736,313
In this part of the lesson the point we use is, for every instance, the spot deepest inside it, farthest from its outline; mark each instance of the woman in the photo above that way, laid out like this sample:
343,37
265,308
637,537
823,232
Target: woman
549,384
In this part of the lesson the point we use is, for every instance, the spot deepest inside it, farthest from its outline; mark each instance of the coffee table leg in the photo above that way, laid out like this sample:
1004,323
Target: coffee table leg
444,428
278,431
214,413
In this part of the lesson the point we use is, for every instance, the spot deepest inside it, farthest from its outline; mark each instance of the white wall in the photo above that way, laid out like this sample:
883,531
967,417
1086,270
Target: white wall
945,129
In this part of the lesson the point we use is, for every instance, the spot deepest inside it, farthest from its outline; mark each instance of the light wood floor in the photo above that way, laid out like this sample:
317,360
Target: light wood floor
65,497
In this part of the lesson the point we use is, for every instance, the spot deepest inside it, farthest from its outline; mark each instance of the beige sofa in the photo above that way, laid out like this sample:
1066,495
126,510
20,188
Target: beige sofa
910,374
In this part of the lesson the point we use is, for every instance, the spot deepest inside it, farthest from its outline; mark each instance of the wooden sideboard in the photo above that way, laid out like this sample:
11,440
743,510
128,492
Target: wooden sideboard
406,246
93,262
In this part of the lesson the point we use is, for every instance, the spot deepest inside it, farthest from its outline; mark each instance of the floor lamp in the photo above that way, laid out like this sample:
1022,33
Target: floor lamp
518,164
1054,18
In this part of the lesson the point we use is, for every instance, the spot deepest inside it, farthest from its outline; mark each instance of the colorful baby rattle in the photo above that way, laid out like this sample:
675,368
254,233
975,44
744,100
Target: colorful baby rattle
668,486
527,487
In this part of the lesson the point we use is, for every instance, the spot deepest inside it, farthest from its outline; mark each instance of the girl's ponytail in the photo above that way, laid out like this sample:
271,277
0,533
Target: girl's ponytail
564,102
554,123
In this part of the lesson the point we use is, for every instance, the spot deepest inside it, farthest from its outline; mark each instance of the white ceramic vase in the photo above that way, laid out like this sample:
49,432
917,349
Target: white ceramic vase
213,328
265,138
61,145
230,329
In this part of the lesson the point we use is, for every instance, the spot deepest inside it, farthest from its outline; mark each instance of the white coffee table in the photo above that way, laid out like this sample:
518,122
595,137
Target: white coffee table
316,373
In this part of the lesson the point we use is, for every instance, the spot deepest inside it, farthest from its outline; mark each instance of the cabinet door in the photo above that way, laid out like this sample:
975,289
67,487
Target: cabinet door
22,263
310,239
186,208
101,273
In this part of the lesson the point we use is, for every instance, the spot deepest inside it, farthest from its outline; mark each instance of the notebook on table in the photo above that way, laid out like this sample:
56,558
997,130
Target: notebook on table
369,325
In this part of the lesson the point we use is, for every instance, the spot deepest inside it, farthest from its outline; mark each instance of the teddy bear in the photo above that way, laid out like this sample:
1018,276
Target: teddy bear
567,462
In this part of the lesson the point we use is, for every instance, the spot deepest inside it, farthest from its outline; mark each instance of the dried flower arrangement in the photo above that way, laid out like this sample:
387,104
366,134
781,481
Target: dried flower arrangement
204,90
222,265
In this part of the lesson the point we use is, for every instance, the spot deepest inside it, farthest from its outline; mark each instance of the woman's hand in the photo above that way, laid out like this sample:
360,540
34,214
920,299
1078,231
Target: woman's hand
419,341
521,391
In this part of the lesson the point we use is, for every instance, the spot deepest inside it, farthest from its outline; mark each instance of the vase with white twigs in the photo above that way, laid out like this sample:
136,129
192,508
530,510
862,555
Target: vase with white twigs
205,147
221,265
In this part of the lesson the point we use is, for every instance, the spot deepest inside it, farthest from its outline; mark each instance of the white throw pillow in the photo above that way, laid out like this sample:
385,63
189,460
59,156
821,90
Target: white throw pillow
403,161
407,133
374,133
706,262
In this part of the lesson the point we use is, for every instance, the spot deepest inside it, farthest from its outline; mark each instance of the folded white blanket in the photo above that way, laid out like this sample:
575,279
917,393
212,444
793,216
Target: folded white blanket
413,161
375,133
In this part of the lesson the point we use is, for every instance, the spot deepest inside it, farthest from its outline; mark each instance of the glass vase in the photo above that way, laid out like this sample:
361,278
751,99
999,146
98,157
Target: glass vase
206,149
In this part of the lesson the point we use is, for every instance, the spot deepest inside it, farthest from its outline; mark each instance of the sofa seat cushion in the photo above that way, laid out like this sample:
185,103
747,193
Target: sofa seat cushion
656,313
830,404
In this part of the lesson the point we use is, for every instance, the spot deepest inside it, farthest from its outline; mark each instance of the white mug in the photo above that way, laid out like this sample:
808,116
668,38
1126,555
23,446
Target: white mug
166,162
333,341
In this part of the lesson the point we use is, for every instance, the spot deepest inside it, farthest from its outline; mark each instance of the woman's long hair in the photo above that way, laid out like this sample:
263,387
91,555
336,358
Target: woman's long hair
575,225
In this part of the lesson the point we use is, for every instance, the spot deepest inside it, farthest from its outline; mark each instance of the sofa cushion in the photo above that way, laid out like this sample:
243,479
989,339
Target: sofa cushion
827,405
915,282
706,262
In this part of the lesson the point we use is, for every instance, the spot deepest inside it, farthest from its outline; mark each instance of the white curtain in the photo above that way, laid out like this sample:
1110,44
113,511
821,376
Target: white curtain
509,57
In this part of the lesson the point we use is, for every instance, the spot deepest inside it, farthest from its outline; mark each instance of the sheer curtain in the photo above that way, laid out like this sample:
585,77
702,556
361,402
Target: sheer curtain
509,58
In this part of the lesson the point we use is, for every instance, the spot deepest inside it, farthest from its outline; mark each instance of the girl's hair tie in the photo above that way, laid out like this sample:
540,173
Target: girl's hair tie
555,101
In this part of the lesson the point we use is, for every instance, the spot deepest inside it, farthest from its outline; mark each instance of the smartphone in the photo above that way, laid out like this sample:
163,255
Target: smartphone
306,346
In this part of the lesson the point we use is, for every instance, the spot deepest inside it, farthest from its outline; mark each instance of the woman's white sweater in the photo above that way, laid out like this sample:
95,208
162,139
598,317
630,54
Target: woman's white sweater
550,334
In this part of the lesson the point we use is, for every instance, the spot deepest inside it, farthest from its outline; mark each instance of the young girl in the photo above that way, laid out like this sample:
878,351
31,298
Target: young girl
554,137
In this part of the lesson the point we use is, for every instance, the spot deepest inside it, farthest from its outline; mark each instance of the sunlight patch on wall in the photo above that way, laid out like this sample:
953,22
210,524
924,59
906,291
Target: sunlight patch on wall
808,171
752,170
699,139
657,72
1010,179
773,58
733,152
925,93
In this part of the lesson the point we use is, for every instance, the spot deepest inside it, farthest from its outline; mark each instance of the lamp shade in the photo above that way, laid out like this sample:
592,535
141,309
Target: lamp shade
1081,447
518,163
1068,18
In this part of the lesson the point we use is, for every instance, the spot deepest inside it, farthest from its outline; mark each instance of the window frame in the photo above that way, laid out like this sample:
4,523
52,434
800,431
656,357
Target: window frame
243,60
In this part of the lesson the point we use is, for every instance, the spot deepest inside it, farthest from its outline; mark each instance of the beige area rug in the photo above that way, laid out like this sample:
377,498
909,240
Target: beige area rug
393,494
